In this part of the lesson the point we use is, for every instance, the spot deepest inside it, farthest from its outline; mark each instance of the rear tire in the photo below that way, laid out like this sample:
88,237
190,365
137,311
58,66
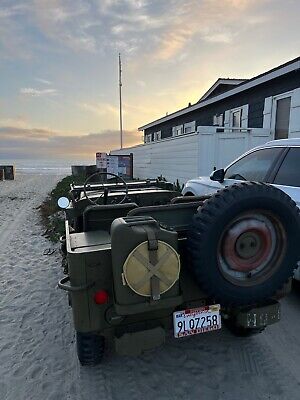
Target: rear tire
296,284
244,243
90,348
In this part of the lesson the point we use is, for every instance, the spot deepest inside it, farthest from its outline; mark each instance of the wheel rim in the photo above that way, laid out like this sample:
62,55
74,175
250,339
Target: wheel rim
251,248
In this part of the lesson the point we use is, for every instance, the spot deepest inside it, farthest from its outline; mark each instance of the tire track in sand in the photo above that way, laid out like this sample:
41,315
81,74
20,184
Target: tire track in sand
9,227
11,221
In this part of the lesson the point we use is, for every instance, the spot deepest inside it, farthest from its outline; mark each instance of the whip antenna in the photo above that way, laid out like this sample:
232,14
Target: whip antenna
120,98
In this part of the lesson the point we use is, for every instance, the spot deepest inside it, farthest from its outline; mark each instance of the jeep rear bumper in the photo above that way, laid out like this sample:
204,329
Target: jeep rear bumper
259,317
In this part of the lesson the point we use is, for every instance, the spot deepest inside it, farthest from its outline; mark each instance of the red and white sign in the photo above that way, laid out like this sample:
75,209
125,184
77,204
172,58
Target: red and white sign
101,160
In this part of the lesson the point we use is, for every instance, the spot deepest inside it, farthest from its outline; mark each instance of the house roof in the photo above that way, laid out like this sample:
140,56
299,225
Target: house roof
220,82
281,70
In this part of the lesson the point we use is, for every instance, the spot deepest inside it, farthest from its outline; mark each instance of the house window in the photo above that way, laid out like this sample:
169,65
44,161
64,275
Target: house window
190,127
177,130
236,118
277,113
218,120
148,138
157,135
282,118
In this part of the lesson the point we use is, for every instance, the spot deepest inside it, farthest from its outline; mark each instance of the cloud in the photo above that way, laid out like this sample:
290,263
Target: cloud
18,122
38,92
13,133
66,22
105,109
141,83
12,33
206,21
44,81
17,143
219,37
99,108
97,26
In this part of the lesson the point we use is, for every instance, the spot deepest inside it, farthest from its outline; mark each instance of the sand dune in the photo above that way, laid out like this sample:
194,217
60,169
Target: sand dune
37,349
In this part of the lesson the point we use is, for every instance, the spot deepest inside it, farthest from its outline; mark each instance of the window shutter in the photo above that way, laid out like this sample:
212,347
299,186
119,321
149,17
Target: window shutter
268,112
227,119
295,113
220,120
245,110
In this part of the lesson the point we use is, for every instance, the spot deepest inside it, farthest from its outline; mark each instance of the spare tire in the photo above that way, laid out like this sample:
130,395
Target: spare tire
243,244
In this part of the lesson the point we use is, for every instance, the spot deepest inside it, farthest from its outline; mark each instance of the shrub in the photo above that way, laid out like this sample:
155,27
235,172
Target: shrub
52,215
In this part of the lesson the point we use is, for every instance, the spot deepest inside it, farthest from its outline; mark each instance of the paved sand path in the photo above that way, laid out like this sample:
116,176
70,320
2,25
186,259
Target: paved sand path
37,349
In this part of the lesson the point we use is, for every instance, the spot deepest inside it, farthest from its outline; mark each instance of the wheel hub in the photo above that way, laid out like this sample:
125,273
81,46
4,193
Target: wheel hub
248,244
248,248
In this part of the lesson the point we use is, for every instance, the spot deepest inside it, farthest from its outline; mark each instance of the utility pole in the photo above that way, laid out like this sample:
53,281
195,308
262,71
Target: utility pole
120,97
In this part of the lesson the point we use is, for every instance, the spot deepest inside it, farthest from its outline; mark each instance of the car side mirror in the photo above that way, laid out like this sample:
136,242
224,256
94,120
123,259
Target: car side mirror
218,175
63,202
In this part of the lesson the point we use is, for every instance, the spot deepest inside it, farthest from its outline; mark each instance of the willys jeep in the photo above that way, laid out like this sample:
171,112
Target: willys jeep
142,260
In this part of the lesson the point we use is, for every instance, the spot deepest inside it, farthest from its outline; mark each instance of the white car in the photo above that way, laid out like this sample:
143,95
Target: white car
276,162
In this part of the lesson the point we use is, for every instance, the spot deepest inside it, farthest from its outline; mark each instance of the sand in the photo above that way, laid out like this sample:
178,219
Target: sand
37,348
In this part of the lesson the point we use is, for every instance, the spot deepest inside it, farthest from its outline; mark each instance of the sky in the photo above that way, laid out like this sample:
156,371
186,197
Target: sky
59,65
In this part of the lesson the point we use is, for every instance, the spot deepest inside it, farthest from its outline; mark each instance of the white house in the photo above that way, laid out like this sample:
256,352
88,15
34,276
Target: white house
231,117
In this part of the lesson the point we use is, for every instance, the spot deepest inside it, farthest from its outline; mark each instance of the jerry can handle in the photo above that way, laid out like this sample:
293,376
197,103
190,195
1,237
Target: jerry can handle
62,285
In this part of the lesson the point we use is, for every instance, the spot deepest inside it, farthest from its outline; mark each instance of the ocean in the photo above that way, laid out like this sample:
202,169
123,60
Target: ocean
55,167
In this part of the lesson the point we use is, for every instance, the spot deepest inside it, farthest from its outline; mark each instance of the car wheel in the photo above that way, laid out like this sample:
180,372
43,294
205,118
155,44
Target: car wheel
90,348
244,243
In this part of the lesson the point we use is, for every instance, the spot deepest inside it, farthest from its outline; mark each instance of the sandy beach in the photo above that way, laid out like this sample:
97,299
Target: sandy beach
37,349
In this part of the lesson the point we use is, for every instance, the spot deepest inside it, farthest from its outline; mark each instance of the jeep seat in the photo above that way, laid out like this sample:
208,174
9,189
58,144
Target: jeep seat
96,217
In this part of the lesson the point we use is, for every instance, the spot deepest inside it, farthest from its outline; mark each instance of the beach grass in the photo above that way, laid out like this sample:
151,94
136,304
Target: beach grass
52,216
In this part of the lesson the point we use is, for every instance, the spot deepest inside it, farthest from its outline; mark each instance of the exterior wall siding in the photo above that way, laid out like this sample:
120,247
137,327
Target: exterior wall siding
167,158
254,97
188,156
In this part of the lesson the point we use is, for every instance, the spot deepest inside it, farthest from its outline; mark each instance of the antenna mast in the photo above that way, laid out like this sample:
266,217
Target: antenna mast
120,97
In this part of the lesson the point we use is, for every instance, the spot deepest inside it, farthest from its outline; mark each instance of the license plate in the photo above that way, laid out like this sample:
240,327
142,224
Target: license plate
196,320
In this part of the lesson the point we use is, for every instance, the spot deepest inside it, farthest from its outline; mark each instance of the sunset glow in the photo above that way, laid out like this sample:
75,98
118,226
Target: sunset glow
59,64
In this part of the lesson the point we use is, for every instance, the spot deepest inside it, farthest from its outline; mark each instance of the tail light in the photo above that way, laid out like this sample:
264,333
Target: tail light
101,297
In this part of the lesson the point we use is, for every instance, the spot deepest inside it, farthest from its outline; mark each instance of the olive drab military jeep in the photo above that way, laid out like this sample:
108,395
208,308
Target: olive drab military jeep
141,260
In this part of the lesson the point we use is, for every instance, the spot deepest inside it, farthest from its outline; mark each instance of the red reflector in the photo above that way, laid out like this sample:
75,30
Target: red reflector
101,297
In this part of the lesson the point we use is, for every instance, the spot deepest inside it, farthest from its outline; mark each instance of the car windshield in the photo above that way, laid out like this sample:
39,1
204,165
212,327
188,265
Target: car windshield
254,166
